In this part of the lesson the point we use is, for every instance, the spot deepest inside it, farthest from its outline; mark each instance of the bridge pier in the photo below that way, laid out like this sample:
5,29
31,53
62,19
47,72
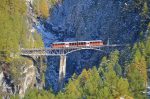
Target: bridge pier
39,72
62,70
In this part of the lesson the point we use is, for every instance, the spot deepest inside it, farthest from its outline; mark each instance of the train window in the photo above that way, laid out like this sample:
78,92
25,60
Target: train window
83,43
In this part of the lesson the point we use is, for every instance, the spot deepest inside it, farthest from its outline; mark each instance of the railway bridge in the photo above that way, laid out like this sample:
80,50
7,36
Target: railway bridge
37,53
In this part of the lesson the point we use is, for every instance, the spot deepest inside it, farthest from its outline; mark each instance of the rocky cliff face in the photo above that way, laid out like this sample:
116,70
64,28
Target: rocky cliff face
17,82
29,79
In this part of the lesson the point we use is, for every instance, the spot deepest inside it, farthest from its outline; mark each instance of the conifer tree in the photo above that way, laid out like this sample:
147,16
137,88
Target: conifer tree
145,9
115,85
41,7
137,73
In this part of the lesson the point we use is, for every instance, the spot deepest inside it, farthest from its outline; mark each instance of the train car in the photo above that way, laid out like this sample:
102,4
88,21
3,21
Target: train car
93,43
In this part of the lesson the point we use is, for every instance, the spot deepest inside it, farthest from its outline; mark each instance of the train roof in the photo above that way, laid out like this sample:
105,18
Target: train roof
76,41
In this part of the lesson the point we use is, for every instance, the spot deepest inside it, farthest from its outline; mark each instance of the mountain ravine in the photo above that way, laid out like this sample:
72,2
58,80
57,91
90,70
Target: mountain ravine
71,20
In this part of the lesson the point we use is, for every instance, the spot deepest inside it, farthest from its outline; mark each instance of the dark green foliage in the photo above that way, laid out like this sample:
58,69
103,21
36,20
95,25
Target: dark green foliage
118,69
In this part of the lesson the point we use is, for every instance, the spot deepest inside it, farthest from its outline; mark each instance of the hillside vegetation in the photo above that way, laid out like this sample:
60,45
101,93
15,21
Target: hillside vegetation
43,7
14,33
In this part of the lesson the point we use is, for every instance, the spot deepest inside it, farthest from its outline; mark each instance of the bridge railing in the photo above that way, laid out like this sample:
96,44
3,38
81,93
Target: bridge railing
60,51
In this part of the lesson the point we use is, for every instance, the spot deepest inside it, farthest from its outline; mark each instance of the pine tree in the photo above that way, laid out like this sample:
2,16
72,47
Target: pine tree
44,9
136,82
137,73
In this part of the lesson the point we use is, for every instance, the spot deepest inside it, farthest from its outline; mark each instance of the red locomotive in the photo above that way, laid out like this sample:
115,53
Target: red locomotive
77,44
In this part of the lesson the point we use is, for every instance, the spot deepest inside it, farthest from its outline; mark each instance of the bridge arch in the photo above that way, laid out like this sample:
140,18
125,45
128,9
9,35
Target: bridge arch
85,49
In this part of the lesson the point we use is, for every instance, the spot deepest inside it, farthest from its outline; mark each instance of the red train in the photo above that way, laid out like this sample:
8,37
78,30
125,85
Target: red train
77,44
